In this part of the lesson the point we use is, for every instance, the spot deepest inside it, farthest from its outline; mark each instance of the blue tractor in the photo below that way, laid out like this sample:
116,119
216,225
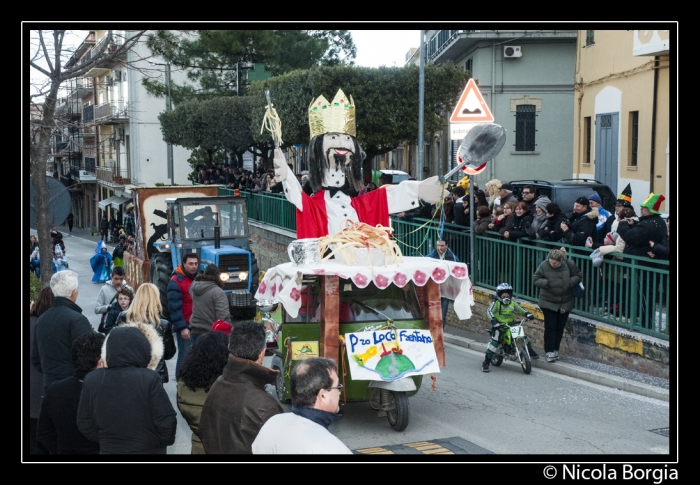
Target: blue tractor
216,229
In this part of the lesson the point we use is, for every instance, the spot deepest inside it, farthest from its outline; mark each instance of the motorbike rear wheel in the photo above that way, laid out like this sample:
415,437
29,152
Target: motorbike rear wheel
497,358
525,361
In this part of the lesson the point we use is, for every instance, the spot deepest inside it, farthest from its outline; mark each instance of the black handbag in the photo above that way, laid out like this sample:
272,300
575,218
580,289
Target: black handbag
101,328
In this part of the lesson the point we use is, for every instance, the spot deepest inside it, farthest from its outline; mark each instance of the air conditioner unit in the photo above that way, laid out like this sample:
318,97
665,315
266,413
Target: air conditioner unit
511,51
109,163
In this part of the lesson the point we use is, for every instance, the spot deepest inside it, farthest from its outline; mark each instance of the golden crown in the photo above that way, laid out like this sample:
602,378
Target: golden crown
335,117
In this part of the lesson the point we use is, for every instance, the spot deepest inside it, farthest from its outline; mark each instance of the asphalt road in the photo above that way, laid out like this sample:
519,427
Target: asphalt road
502,412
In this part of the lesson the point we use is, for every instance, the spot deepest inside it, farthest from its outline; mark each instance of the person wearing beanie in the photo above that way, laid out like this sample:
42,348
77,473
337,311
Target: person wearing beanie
540,218
209,301
581,225
603,224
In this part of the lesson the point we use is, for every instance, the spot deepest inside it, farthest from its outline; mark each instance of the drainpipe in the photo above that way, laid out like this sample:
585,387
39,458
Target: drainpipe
653,124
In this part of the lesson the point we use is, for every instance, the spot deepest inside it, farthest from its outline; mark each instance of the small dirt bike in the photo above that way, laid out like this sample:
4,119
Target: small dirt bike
514,346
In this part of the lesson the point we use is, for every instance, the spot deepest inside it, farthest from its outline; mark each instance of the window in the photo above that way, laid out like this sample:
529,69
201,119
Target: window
587,134
525,128
634,137
590,39
468,65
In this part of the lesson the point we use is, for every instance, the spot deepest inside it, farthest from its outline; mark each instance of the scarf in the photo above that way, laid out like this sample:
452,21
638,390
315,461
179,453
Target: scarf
324,418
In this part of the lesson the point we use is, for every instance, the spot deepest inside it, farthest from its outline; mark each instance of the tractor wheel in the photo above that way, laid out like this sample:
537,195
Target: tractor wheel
161,271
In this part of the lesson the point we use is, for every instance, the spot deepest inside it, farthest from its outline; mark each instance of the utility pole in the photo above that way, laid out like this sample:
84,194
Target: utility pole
421,100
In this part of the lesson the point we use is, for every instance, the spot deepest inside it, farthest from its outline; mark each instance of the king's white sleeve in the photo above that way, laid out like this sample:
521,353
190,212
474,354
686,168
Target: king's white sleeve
290,184
402,197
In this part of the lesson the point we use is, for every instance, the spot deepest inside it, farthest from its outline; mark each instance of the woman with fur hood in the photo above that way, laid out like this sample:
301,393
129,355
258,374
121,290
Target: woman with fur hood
209,302
123,405
145,310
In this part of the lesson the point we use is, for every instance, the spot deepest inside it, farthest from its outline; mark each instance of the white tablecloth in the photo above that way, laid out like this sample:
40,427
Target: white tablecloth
283,283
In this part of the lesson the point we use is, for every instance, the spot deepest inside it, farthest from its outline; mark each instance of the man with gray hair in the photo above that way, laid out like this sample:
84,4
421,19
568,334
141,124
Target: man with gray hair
57,328
316,393
237,404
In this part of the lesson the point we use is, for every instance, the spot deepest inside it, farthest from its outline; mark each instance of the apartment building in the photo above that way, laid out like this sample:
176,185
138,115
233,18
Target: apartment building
110,136
622,110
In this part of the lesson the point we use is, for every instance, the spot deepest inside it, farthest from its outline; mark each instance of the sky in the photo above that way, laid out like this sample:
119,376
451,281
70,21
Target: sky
383,47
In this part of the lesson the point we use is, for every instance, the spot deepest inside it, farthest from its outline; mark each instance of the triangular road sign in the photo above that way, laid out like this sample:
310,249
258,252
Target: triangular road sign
471,107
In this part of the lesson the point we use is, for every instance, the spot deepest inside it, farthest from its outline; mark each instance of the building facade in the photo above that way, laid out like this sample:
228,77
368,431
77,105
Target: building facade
526,80
110,137
622,110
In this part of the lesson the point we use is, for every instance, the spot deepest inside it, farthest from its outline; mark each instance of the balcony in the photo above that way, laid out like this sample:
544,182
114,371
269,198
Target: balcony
82,174
69,110
446,45
113,176
89,113
111,113
105,67
84,46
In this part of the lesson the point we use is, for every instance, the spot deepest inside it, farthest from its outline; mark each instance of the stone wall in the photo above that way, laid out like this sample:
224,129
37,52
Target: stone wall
583,338
270,244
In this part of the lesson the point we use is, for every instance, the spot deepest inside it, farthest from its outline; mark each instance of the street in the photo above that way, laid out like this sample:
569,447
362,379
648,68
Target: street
502,412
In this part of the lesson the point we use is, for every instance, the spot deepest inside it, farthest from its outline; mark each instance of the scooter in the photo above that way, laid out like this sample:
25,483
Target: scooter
514,346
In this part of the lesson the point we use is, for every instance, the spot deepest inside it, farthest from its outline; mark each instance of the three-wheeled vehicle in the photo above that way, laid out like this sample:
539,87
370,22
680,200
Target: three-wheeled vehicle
331,308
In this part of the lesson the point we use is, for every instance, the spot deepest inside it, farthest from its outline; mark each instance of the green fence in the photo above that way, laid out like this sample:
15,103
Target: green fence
630,292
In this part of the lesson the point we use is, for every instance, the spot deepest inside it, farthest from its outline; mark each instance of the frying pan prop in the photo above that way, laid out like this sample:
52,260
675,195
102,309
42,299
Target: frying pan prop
481,144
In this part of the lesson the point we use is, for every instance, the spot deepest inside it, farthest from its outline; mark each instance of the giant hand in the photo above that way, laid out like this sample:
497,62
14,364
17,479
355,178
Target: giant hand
431,191
281,167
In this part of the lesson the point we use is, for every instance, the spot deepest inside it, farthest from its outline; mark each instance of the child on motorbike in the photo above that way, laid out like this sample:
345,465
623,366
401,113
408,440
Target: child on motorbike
504,310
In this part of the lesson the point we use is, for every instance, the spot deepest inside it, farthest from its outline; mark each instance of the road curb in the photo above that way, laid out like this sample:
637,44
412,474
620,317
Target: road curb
577,372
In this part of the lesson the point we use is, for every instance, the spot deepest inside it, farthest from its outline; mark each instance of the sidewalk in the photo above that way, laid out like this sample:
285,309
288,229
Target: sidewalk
82,233
602,374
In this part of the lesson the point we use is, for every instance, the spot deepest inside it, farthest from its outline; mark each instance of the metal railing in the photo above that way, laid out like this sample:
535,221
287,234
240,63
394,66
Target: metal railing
625,291
272,209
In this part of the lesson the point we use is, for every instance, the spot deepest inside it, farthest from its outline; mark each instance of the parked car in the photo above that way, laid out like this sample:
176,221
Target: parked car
565,192
397,176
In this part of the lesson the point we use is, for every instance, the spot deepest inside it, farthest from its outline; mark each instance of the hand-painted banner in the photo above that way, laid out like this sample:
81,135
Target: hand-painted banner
388,355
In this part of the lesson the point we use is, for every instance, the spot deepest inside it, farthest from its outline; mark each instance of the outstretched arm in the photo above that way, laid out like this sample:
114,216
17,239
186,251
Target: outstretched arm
292,189
405,196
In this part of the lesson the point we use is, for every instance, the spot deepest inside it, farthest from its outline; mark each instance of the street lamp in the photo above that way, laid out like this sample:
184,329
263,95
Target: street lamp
171,169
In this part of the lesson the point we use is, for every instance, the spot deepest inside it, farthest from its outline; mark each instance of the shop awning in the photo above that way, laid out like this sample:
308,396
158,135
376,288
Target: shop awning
104,203
119,200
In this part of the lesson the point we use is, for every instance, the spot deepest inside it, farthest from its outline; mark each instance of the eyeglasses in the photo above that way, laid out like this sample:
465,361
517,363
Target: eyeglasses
526,193
339,387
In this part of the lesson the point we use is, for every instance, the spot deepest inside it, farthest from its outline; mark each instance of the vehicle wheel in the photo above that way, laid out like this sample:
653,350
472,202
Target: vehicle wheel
399,410
161,270
497,359
524,357
279,386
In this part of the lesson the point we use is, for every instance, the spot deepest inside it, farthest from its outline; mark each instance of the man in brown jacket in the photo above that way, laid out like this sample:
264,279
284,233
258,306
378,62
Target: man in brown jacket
237,405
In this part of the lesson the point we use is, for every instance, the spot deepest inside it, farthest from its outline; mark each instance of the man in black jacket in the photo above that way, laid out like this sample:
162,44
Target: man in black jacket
57,328
57,430
581,225
637,236
238,405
